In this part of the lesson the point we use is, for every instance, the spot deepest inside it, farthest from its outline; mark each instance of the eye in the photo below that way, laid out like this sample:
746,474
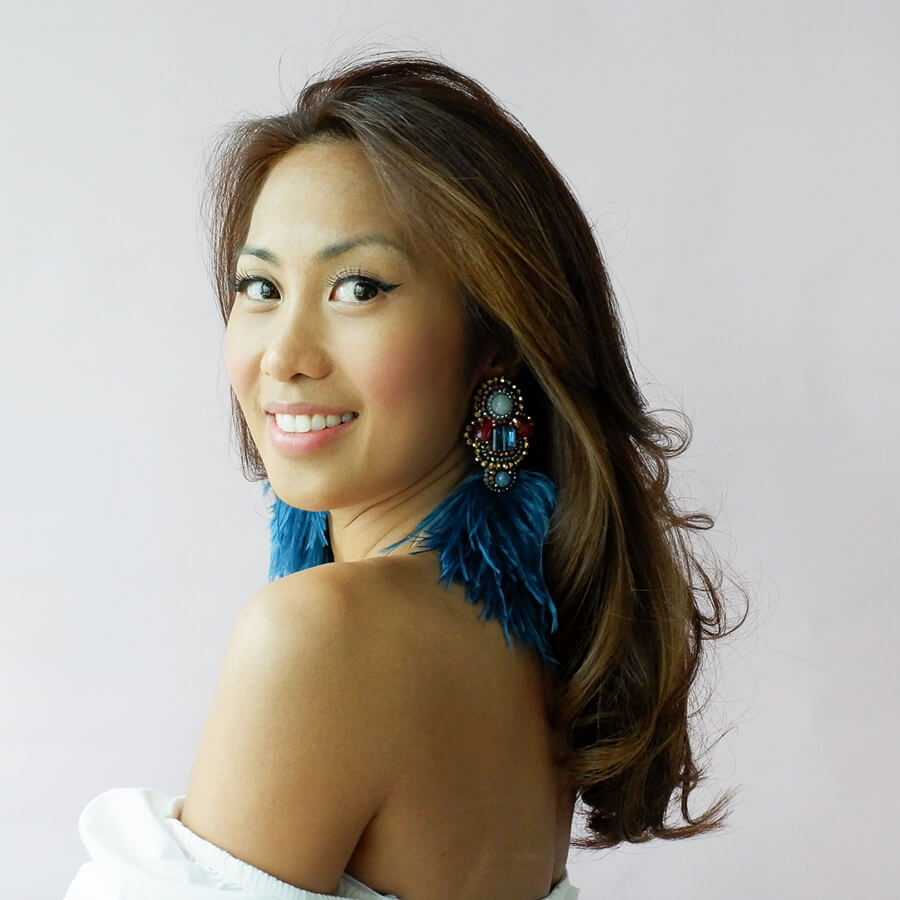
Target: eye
258,289
354,287
348,286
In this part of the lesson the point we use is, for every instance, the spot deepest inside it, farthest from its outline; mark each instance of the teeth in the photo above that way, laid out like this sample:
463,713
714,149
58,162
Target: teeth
302,424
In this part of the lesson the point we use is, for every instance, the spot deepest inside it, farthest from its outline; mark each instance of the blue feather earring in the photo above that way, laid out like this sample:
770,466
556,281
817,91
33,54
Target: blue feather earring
489,532
299,538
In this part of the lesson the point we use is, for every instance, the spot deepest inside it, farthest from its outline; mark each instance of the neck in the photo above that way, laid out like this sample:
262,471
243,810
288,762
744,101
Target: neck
360,533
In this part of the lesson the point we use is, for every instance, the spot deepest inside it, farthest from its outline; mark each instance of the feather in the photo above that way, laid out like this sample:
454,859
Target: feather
490,542
299,538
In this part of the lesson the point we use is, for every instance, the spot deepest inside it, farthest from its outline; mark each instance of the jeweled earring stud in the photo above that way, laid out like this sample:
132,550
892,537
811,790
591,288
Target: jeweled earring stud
498,432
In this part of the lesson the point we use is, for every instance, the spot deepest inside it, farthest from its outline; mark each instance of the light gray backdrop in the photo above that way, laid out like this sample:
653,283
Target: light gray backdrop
740,161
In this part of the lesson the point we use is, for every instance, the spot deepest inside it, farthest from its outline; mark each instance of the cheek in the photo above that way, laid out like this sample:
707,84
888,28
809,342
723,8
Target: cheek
240,365
421,380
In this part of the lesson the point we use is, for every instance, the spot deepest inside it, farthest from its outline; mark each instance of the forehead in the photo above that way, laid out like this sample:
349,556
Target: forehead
329,184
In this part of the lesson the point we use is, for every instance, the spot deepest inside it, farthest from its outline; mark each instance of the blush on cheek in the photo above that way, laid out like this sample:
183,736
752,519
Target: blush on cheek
239,366
417,390
413,373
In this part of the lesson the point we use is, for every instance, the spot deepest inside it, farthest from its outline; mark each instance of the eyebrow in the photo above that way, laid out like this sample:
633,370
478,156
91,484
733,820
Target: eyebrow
325,253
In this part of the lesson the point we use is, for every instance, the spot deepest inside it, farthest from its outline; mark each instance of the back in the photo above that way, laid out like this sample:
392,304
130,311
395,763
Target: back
367,724
478,808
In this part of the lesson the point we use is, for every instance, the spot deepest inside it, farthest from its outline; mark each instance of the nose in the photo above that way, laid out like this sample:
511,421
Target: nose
294,345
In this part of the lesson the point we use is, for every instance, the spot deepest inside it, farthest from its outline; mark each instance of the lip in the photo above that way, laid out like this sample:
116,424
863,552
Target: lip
304,409
297,444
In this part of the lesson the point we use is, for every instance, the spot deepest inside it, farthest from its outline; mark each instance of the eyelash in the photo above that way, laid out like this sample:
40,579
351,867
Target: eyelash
241,282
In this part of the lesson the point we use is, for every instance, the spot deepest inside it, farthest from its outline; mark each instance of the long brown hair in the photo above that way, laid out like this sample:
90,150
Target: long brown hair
635,603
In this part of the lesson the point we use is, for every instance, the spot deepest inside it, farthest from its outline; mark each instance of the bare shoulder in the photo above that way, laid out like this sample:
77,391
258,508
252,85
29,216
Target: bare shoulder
418,638
366,607
357,597
300,747
368,628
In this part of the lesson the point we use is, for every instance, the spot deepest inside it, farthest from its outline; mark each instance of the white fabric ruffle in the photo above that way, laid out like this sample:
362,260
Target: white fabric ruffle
140,850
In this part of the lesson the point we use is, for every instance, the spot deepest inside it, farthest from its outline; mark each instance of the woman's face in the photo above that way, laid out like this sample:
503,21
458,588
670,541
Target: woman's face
331,312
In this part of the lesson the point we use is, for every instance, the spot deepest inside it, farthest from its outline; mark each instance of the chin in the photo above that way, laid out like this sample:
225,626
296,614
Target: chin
302,492
311,501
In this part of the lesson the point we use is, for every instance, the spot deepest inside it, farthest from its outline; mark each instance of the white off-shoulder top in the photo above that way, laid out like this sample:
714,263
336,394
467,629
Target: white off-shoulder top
140,850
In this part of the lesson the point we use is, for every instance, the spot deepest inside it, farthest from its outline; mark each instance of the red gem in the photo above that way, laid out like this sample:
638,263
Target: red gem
483,432
525,428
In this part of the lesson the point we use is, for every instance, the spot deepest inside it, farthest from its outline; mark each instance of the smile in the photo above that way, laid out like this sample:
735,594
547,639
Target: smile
293,436
303,423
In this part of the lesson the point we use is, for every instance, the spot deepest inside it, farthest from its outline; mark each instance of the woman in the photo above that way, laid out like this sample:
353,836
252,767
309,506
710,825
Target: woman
429,373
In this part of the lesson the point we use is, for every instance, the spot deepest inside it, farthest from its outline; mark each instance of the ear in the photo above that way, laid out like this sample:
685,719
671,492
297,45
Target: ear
495,362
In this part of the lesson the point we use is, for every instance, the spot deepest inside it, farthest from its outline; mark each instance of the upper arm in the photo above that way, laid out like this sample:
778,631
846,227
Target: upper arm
296,755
